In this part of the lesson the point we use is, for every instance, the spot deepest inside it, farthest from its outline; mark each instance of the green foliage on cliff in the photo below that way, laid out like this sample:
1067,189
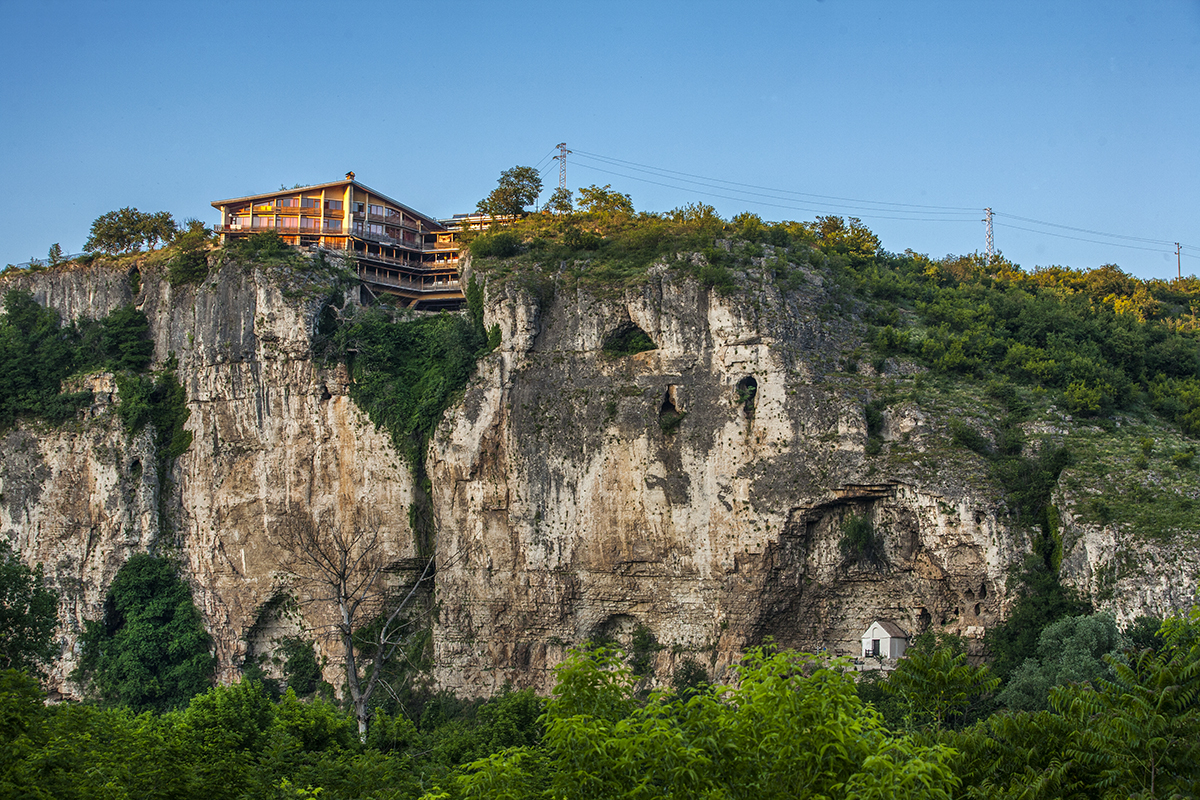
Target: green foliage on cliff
407,370
860,543
150,652
28,614
1099,339
789,727
38,352
161,402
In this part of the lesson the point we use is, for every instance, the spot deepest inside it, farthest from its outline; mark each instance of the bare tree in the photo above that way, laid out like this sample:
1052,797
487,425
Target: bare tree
345,568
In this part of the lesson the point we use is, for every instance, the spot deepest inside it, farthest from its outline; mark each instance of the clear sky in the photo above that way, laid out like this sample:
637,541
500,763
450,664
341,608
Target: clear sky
913,116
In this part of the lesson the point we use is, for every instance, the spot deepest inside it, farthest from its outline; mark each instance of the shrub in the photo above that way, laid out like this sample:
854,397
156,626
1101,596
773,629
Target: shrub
28,614
150,651
126,340
502,244
189,266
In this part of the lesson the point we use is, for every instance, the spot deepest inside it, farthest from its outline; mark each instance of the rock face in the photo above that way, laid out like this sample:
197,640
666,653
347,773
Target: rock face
698,490
691,499
277,444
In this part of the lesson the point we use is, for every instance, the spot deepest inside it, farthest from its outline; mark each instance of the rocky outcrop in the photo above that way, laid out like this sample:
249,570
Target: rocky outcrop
699,489
277,443
699,492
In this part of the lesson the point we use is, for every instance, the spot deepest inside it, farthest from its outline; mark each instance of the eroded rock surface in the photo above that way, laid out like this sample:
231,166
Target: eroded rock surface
699,491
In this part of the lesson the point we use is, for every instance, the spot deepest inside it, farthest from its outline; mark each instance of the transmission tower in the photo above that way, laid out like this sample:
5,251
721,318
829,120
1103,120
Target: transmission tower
561,158
991,242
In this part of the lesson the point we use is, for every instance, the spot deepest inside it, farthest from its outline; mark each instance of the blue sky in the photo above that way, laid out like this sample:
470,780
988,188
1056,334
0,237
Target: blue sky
913,116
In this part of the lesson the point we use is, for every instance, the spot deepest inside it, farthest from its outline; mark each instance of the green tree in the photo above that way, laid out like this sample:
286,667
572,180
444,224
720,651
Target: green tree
935,683
603,200
36,354
55,256
127,229
788,728
517,188
28,614
1041,599
1138,735
126,340
150,651
561,201
1070,650
846,236
157,227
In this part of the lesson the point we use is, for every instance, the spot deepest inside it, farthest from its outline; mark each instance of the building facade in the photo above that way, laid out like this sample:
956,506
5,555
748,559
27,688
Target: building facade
399,250
884,639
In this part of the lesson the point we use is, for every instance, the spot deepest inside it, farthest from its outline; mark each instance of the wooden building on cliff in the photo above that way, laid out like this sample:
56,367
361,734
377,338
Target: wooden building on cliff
399,250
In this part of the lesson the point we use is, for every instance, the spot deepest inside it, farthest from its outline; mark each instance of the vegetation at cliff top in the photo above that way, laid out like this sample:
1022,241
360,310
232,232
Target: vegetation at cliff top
37,353
1101,338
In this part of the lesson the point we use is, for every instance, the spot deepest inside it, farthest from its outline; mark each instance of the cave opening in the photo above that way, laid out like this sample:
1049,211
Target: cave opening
669,415
627,340
747,394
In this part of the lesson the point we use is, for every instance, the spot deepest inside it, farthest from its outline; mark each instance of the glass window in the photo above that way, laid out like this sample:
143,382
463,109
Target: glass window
310,202
263,222
333,224
289,222
333,205
287,202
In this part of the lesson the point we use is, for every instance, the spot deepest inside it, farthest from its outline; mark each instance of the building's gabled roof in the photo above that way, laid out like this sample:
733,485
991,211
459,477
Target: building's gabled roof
333,184
892,629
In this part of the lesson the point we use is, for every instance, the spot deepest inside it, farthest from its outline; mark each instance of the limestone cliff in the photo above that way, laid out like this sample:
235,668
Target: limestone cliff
699,490
580,493
277,443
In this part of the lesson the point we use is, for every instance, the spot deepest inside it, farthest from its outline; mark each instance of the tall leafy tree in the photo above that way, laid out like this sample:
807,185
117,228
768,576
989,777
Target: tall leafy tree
604,200
517,188
1070,650
788,728
935,683
28,614
127,229
150,652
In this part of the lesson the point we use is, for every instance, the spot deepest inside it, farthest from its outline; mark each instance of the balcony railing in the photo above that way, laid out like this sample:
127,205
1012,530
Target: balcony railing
279,228
372,276
385,239
445,251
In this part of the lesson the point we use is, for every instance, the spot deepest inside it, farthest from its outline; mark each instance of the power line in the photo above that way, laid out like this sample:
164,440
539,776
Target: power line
705,179
538,165
1085,230
1080,238
865,213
